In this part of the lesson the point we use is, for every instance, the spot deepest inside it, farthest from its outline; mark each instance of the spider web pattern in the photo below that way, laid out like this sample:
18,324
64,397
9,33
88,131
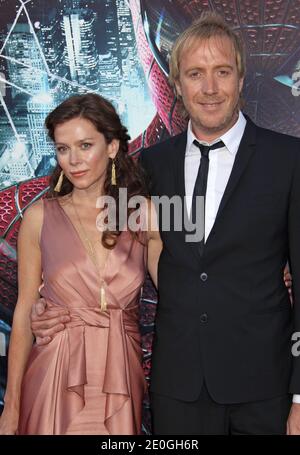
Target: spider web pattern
46,71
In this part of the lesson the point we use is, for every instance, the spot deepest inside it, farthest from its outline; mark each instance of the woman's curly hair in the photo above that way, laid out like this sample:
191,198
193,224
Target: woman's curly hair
102,114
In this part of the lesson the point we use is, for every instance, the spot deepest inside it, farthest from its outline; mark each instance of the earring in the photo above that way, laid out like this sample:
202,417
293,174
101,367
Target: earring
113,173
59,183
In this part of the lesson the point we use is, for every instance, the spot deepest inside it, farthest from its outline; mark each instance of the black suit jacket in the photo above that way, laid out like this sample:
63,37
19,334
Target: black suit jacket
226,317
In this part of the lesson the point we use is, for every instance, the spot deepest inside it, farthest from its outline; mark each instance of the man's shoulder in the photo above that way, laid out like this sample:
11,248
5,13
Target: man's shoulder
164,150
272,135
274,142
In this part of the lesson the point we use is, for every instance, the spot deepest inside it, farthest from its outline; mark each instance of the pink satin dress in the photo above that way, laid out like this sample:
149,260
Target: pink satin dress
89,378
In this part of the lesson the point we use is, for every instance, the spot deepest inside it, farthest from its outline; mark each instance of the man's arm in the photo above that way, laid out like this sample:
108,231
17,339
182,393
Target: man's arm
293,424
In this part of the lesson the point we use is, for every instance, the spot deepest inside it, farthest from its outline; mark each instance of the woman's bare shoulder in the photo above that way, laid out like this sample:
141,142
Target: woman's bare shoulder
34,210
32,217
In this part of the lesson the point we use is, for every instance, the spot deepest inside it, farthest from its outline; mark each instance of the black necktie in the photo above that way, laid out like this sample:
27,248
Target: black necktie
201,181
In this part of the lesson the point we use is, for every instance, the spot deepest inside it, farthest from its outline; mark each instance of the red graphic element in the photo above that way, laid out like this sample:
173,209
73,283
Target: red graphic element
13,201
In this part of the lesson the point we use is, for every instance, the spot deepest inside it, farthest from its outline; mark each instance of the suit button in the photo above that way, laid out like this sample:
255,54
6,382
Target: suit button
203,318
203,276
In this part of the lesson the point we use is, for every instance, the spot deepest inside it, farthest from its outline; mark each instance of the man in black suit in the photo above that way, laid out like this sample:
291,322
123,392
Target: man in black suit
222,359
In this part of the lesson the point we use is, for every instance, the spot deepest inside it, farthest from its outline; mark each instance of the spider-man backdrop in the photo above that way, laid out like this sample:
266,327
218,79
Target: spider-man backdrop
120,49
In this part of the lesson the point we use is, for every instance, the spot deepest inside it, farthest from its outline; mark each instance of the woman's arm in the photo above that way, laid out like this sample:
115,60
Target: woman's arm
154,242
29,280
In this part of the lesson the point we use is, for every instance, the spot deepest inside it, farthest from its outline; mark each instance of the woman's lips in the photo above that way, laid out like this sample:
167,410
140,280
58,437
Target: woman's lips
78,174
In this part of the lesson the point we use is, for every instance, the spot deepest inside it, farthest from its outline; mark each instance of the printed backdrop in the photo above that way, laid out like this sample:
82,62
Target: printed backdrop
119,49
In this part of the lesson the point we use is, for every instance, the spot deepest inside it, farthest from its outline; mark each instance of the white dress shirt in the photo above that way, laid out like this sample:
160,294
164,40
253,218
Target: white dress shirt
220,166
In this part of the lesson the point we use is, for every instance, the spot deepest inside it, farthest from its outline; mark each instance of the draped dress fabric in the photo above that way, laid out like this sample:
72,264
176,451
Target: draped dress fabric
89,378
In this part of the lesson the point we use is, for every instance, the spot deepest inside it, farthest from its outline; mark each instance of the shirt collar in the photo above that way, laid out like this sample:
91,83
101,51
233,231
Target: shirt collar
231,138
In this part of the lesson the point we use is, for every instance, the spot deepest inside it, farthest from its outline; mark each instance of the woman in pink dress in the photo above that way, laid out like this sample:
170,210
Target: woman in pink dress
89,378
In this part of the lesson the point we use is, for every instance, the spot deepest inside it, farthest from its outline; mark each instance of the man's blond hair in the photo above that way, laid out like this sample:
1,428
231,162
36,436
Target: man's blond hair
208,25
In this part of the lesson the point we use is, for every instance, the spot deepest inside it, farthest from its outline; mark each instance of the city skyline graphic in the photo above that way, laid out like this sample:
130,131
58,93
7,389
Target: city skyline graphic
48,53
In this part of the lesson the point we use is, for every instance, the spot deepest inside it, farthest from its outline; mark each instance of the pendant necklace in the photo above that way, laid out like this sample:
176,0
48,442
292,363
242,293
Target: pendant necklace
93,256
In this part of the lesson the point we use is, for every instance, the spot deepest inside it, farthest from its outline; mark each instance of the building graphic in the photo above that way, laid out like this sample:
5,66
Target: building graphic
79,28
49,52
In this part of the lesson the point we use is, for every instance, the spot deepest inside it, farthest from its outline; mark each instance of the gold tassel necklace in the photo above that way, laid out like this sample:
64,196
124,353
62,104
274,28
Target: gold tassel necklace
93,256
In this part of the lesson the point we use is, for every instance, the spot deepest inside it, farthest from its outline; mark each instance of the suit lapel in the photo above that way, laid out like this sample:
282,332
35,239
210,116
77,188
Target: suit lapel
179,149
245,151
179,174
